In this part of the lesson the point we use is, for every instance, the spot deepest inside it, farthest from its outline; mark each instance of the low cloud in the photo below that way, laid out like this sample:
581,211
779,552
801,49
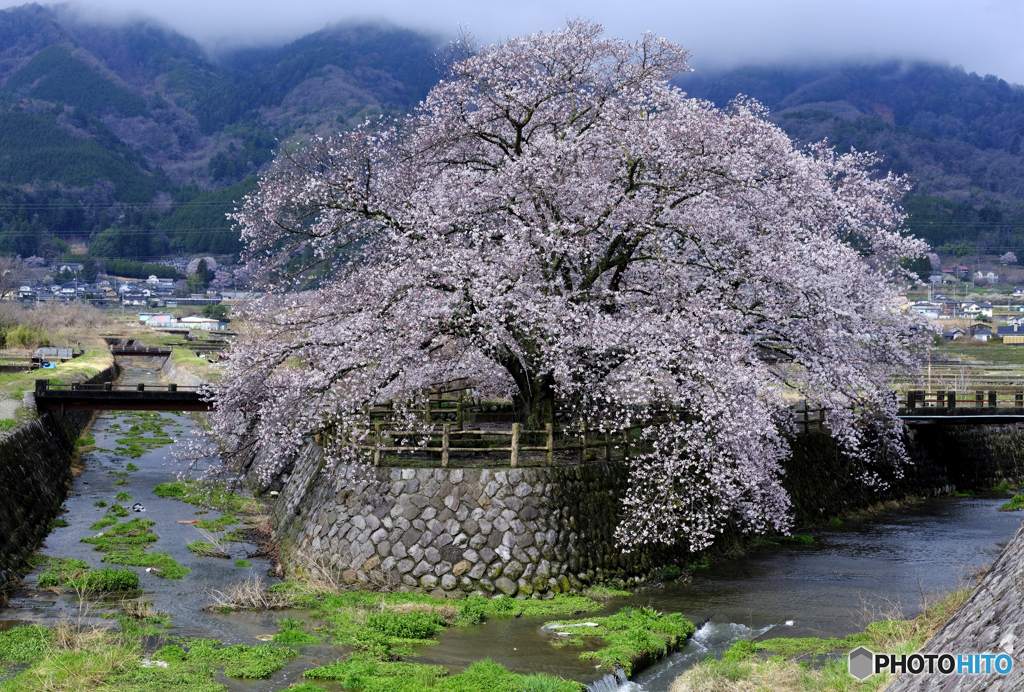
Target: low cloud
982,36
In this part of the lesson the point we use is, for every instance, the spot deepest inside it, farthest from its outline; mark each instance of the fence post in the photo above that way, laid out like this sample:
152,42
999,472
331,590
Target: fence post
444,444
910,399
951,399
549,455
108,386
625,443
172,387
979,399
583,443
1018,399
458,412
141,386
426,412
42,385
376,444
993,402
608,446
515,445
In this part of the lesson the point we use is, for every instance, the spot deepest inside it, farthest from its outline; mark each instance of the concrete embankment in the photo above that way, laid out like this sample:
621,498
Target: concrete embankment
990,622
35,473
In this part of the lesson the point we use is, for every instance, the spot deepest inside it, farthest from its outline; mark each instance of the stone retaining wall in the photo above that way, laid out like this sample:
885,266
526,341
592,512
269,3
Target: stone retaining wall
531,532
35,474
526,532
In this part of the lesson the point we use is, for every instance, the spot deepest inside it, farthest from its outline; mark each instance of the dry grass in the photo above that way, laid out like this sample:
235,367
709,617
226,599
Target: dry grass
248,594
447,611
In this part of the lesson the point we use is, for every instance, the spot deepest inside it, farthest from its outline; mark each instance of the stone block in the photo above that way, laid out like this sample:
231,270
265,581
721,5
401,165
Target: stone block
486,527
409,581
513,569
460,540
408,474
443,567
422,568
524,540
379,535
470,526
384,548
372,522
416,552
448,582
398,551
455,476
494,571
525,589
412,485
426,539
487,555
371,564
517,526
514,503
504,553
463,566
349,576
443,540
501,524
428,514
506,586
411,537
405,565
523,489
431,555
478,570
478,541
428,581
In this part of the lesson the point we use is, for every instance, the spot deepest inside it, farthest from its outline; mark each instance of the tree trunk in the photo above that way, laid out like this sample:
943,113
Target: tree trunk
535,401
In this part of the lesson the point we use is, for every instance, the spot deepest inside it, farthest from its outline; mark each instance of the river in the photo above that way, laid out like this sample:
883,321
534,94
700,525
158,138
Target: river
849,575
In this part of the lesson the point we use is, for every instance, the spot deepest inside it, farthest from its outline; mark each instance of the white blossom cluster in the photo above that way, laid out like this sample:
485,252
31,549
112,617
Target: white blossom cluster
560,224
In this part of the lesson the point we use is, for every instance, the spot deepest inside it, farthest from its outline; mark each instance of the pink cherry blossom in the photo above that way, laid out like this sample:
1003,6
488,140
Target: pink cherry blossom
559,223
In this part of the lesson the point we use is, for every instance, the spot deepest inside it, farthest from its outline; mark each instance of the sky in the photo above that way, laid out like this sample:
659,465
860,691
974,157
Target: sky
983,36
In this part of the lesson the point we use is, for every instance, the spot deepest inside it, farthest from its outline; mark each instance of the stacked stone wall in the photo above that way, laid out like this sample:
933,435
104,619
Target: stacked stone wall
526,532
531,532
35,474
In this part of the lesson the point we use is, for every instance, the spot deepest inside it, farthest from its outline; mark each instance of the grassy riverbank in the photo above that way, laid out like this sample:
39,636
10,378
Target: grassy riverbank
819,665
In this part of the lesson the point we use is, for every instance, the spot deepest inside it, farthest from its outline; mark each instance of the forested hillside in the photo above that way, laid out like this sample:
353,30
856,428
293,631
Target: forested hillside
957,135
131,141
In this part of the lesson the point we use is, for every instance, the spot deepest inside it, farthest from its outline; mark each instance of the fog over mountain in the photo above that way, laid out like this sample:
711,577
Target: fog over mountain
131,140
980,35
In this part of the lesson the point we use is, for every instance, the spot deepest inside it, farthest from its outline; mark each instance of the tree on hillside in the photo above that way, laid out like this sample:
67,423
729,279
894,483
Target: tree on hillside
1008,258
560,224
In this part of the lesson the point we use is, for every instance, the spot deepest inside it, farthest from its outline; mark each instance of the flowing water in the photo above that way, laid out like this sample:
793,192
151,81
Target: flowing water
849,576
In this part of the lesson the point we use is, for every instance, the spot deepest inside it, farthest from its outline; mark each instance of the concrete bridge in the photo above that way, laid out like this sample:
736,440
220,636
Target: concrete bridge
111,397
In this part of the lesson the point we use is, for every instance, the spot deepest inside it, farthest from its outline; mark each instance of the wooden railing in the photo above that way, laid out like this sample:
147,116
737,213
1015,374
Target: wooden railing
446,439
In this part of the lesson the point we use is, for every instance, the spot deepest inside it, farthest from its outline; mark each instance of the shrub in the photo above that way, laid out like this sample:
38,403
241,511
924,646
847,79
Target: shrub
105,579
413,625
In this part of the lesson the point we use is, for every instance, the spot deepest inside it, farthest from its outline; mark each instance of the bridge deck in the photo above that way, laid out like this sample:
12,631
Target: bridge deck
962,415
107,397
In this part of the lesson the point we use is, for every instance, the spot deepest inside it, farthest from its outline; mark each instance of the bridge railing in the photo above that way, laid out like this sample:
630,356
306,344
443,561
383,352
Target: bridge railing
46,385
991,398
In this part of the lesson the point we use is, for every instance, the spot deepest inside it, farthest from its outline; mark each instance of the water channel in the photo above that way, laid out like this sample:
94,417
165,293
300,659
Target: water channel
847,577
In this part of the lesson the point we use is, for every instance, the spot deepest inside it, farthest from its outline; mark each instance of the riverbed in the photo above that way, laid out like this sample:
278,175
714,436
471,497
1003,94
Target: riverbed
850,575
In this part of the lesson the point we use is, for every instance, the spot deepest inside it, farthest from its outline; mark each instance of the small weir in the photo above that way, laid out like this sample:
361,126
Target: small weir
849,575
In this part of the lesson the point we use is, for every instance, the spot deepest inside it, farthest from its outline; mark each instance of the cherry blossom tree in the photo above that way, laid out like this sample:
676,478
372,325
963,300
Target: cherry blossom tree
1008,258
559,223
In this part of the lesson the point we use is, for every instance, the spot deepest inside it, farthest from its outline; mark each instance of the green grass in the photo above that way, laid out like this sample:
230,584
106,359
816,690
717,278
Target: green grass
243,563
24,644
632,635
123,497
125,544
293,633
58,523
210,495
798,539
85,441
104,580
240,661
1015,503
370,675
131,467
104,521
204,549
217,525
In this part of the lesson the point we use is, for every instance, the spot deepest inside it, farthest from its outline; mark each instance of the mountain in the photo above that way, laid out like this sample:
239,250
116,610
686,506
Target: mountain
133,141
956,135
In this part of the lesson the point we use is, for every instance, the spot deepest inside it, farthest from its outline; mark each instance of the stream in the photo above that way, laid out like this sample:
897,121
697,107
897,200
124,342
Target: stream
850,575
